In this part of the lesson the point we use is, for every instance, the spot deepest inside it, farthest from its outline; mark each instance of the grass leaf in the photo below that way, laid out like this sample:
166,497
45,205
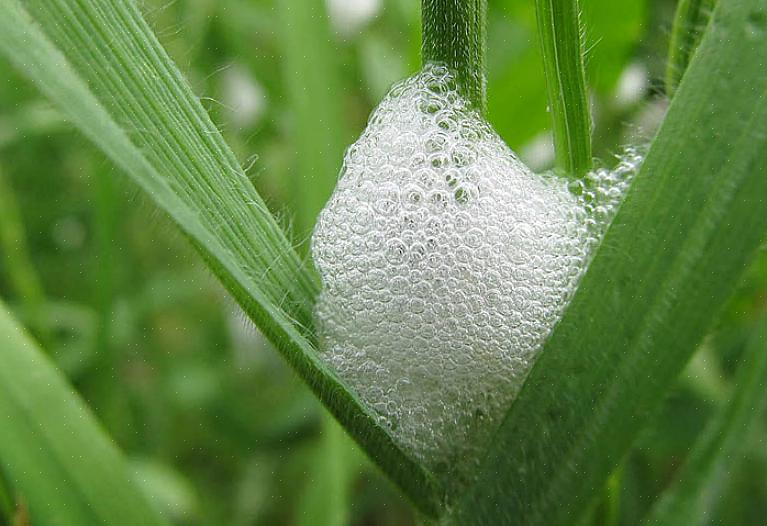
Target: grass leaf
690,224
326,498
14,255
101,64
60,464
683,502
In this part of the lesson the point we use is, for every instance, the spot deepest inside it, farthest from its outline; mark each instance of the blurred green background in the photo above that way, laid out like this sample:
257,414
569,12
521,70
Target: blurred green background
216,427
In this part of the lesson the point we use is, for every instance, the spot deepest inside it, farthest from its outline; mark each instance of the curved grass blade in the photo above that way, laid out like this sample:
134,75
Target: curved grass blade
53,452
100,63
690,224
683,502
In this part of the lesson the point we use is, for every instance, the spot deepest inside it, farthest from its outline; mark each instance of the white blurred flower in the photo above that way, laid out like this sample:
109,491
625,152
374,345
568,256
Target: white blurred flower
243,96
349,16
632,85
538,154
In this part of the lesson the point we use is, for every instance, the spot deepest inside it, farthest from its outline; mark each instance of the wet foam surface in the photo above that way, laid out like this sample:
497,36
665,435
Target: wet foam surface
445,264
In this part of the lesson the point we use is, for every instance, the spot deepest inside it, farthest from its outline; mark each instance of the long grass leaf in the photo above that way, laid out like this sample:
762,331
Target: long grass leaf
101,64
690,224
15,260
57,459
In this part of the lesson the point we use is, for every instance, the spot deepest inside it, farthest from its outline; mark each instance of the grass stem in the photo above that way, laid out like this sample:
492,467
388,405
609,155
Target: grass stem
563,59
689,22
454,34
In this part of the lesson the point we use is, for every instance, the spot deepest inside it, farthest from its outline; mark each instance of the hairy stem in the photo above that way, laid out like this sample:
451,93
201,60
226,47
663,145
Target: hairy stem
562,48
454,35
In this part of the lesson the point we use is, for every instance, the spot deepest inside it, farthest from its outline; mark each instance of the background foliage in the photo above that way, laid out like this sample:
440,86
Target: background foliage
216,427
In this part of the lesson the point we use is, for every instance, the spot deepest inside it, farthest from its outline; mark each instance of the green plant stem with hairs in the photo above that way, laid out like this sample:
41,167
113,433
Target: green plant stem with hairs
561,39
454,34
689,22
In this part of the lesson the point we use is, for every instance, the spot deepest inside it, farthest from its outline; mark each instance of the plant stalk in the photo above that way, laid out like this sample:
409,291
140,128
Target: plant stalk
454,34
689,22
563,60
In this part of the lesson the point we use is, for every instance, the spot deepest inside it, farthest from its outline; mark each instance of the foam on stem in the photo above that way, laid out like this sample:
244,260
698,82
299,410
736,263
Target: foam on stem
445,264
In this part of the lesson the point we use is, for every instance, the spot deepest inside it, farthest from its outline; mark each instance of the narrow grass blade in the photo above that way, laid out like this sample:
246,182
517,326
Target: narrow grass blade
689,23
690,224
326,499
15,262
561,39
54,454
105,394
314,96
100,63
684,501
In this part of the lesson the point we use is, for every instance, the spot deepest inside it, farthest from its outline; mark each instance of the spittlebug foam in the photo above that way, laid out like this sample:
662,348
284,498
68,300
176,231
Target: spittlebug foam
445,263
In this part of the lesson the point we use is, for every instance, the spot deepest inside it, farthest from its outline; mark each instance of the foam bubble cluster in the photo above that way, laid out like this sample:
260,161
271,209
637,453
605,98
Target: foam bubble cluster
445,263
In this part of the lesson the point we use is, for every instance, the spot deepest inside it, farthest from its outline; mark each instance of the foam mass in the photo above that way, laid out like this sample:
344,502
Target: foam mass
445,263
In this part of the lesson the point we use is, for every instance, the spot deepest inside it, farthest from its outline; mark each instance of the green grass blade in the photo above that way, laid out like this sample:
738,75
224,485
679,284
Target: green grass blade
454,35
313,89
690,224
326,499
683,502
15,261
53,452
111,48
561,39
100,63
689,22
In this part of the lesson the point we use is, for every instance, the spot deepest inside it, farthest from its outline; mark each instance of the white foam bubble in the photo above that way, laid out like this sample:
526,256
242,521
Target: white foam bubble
445,263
